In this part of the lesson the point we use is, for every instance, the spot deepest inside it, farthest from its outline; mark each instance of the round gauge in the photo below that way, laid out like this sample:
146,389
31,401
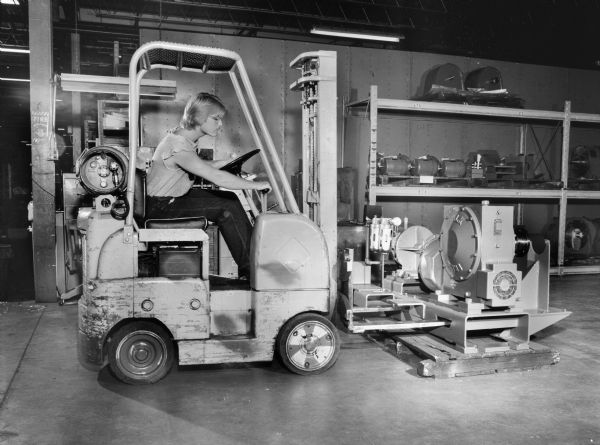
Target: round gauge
102,170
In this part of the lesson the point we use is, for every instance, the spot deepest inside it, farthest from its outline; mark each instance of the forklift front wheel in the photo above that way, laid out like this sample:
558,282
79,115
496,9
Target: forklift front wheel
140,352
308,344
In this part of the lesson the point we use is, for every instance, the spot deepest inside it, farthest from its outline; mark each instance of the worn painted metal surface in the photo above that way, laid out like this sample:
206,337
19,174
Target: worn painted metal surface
105,254
181,305
271,310
288,252
231,312
104,303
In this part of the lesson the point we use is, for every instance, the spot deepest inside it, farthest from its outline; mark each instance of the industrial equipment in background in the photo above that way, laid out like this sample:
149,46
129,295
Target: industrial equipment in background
481,86
481,168
584,167
148,298
487,291
582,239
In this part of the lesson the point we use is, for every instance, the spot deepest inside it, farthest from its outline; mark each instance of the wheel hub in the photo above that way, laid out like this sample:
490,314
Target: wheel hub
310,345
141,353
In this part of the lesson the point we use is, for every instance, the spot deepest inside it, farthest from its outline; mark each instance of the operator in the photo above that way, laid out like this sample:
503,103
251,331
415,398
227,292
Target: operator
175,163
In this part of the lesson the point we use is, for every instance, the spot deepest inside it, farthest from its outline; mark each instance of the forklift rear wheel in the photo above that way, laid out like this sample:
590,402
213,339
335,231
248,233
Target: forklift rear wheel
308,344
140,353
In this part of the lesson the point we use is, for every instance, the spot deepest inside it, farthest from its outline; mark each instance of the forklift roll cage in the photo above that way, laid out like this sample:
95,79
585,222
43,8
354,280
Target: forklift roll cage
207,60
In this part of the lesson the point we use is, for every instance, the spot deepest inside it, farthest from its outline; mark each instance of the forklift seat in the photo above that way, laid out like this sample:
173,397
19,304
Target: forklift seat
139,211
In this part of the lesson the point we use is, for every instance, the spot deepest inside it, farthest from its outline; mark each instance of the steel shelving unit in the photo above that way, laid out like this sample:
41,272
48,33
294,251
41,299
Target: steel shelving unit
561,196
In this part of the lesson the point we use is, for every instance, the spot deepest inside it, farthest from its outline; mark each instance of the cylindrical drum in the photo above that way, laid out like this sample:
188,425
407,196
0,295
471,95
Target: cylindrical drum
396,166
453,168
426,166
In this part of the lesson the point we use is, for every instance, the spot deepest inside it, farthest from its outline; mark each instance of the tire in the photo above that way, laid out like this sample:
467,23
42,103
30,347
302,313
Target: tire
308,344
140,353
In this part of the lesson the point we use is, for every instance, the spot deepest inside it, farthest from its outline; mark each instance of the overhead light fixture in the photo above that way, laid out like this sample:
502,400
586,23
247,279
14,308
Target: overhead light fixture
10,2
14,50
356,35
12,79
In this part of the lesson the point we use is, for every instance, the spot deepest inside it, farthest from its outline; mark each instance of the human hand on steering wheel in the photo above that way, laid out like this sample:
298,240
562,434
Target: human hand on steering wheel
262,186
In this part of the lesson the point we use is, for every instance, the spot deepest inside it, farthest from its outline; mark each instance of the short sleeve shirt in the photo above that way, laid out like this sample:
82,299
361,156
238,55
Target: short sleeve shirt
167,178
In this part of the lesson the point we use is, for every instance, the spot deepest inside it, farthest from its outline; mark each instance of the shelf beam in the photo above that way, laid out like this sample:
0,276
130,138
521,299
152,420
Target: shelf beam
464,192
406,105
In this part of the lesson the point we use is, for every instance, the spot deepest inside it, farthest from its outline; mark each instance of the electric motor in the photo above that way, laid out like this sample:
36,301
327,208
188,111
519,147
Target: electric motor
426,166
102,170
396,166
453,168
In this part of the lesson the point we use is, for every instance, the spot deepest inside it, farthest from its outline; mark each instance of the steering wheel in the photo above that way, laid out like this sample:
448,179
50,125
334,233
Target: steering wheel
235,166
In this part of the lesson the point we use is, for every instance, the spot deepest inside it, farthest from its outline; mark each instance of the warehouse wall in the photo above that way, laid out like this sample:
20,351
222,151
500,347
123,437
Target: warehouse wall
399,75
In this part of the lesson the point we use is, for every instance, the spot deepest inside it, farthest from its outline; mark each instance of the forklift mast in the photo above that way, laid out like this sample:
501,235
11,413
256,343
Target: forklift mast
318,87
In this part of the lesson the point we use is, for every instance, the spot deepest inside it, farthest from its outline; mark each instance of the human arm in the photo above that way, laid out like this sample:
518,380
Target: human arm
219,163
190,162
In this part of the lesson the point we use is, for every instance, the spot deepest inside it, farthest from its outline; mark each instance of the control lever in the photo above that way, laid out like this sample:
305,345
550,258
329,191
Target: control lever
262,195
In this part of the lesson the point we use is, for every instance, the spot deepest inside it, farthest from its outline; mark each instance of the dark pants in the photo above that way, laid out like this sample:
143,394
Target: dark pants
222,208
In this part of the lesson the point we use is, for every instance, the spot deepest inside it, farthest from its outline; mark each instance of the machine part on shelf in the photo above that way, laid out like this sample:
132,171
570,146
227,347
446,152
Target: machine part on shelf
453,168
446,76
520,166
427,165
482,164
102,170
486,78
395,165
522,241
407,247
584,162
476,168
579,162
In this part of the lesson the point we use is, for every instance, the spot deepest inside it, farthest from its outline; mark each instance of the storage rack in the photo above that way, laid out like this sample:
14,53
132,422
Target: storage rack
116,133
375,105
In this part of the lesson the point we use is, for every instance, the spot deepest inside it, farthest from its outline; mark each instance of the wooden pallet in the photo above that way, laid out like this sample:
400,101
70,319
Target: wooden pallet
441,361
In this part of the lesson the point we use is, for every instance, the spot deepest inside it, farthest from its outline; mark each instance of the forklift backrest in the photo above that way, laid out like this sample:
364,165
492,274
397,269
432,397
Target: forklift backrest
139,197
139,211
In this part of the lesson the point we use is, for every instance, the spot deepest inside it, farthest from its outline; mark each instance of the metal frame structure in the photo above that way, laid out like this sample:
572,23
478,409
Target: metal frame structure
318,85
564,118
215,61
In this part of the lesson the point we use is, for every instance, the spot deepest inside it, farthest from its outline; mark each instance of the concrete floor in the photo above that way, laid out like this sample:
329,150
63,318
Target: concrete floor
369,397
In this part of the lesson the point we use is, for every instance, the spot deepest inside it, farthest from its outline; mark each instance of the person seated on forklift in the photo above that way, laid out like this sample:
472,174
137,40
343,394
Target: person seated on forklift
175,163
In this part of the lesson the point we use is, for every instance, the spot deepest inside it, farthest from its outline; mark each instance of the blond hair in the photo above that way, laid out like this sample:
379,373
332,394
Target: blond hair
198,109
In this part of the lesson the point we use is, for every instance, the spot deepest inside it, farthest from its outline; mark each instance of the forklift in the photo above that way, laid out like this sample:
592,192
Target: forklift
148,298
